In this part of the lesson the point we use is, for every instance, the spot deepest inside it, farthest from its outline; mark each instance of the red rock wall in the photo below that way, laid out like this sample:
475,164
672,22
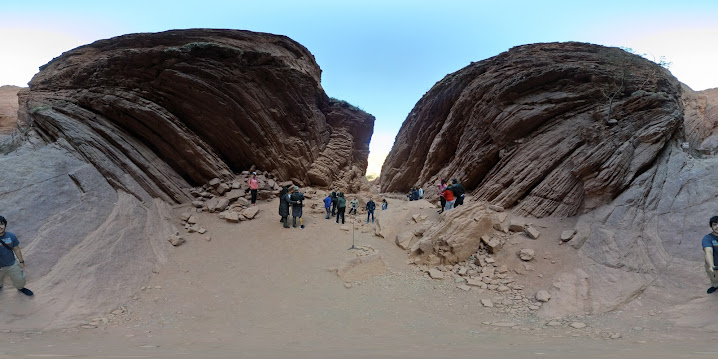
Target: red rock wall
531,129
156,113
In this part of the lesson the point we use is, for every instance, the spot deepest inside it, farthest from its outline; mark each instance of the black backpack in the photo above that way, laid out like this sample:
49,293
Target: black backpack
297,196
457,189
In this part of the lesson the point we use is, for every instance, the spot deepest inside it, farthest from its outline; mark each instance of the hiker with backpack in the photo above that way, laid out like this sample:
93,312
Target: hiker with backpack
297,201
334,203
9,250
284,206
458,190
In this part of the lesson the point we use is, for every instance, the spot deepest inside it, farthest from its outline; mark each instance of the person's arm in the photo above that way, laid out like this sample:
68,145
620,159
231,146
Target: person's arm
709,257
18,254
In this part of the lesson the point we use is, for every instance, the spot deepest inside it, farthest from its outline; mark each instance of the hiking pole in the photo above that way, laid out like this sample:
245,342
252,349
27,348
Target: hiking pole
353,222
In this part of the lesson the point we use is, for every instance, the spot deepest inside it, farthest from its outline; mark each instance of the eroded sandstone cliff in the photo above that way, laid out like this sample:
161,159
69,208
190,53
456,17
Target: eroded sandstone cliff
157,113
548,129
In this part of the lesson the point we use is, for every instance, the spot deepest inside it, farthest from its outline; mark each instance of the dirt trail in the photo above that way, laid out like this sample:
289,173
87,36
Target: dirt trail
258,290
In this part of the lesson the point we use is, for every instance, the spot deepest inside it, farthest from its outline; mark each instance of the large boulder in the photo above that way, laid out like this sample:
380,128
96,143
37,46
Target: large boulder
549,129
158,112
455,237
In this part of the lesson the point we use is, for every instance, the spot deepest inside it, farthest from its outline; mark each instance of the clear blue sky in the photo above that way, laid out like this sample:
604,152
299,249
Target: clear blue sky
381,56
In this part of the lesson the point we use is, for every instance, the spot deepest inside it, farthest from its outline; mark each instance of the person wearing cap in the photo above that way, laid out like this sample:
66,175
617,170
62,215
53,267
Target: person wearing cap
297,199
254,186
9,249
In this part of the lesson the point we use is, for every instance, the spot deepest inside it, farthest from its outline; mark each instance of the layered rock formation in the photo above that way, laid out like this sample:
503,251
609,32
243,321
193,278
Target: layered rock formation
549,129
116,129
565,129
157,113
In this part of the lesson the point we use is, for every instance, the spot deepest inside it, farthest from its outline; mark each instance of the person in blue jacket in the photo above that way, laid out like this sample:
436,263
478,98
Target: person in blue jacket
328,205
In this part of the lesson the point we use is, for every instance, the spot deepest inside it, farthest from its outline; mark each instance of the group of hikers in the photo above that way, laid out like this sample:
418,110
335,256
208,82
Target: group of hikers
415,194
335,204
451,195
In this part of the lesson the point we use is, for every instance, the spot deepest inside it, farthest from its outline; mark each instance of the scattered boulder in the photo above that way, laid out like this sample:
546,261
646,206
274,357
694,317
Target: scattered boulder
532,232
436,274
517,226
543,296
404,239
526,254
250,212
567,235
493,245
176,240
232,217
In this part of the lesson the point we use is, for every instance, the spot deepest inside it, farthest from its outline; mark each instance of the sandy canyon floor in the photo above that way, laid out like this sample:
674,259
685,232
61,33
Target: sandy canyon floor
256,290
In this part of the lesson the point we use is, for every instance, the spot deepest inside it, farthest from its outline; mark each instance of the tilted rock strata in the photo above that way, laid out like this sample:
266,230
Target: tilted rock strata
157,113
549,129
701,120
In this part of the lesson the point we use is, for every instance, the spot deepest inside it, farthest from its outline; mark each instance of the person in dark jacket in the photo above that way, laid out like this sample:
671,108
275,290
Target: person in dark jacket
334,203
370,207
341,206
284,206
297,199
458,191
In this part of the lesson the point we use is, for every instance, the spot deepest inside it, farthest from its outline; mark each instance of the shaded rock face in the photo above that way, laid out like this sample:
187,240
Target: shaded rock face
157,113
548,129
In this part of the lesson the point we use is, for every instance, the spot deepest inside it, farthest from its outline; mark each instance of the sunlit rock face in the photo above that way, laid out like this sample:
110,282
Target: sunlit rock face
545,129
159,112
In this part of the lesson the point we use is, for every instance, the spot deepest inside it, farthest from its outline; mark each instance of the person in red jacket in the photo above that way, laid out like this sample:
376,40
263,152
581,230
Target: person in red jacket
449,196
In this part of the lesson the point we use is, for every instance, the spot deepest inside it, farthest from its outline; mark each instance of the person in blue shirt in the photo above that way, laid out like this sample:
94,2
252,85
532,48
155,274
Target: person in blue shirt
9,249
328,205
384,204
710,249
